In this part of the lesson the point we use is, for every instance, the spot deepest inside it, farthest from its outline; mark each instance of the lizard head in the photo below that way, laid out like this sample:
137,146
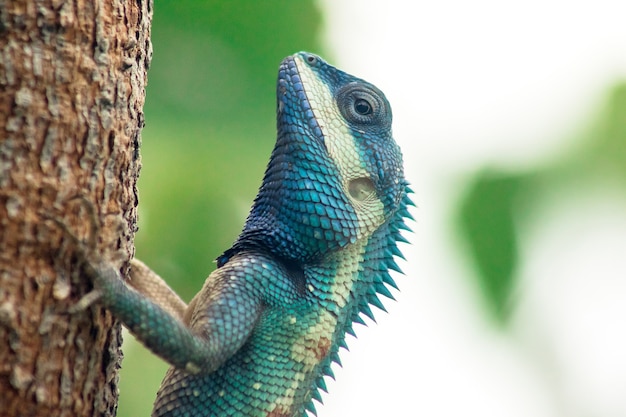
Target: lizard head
335,175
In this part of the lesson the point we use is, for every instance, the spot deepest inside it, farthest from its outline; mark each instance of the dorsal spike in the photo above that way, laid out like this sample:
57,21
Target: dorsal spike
392,251
391,264
400,238
335,358
358,319
404,212
310,407
317,396
388,280
342,344
375,301
383,290
365,309
321,384
397,252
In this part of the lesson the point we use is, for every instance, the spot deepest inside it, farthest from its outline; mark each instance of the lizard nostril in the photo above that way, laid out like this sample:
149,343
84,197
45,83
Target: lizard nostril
361,188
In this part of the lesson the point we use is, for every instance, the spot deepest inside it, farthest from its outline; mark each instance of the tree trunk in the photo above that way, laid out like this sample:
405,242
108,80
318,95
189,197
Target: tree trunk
72,78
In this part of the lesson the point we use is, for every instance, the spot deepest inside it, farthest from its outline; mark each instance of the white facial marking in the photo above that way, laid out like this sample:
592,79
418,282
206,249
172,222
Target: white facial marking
341,147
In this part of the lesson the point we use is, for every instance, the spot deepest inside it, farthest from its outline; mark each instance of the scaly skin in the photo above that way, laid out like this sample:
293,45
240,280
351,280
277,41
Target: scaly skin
316,249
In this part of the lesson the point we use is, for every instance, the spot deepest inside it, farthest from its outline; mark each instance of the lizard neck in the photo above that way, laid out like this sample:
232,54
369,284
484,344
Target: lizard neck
301,212
343,286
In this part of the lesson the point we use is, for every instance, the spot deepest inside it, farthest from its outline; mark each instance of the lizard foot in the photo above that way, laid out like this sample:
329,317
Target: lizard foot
89,260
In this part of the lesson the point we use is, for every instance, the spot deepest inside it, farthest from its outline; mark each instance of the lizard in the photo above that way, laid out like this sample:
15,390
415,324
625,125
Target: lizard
315,252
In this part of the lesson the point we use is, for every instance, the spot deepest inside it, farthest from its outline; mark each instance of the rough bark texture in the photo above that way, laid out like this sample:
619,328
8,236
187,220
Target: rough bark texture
72,78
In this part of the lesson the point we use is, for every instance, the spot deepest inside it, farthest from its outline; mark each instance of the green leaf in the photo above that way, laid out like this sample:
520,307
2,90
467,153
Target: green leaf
491,211
487,221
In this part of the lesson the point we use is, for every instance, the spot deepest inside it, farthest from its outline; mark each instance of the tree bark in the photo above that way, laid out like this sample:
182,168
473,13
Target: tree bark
72,88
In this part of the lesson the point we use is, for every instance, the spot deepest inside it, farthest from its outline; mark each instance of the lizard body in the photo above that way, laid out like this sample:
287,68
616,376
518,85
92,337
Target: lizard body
314,253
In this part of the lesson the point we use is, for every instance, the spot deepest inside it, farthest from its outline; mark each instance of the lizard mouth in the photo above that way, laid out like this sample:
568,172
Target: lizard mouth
293,105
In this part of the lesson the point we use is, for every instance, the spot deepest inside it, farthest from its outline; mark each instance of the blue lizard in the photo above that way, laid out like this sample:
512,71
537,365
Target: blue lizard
314,254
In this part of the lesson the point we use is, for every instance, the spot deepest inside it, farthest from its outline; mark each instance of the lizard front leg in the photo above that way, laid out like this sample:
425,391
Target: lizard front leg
147,282
160,320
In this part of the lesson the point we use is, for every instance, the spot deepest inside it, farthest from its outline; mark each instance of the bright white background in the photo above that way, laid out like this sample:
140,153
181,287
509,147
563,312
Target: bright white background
505,84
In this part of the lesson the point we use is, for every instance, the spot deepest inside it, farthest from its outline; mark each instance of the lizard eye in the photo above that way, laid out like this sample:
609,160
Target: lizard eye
310,58
363,107
361,104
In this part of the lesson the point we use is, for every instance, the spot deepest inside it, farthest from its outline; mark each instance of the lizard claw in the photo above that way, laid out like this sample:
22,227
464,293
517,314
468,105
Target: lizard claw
91,241
86,301
85,249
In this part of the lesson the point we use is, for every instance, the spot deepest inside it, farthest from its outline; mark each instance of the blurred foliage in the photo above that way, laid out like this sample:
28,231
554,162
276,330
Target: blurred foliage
210,127
215,61
496,203
488,215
